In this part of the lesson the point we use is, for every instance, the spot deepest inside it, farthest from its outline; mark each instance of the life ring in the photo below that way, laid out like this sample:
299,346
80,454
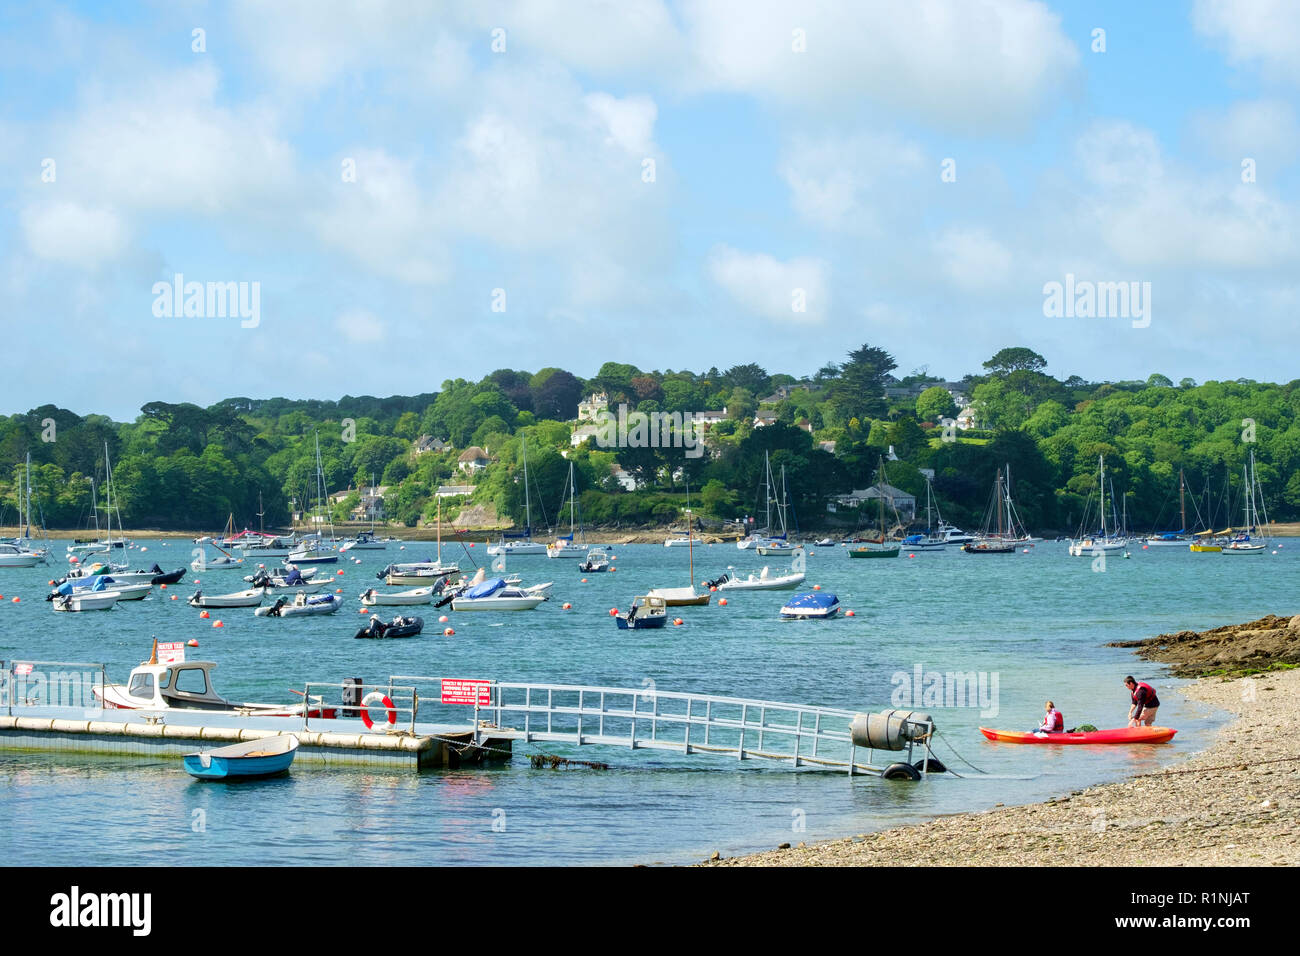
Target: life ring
376,697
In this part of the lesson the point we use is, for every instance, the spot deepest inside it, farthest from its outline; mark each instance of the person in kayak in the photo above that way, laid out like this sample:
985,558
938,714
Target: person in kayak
1053,721
1145,702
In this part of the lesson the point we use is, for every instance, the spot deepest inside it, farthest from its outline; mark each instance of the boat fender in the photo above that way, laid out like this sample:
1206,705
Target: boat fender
935,765
901,771
376,697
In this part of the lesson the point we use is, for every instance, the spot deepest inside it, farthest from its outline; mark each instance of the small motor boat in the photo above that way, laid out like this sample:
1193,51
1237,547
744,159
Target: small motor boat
250,598
398,627
811,605
252,758
301,605
646,612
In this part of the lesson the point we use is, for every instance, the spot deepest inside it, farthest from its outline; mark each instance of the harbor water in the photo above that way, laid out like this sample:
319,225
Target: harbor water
1032,626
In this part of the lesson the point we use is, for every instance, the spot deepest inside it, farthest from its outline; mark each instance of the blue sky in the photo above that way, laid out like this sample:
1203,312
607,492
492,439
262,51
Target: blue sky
776,169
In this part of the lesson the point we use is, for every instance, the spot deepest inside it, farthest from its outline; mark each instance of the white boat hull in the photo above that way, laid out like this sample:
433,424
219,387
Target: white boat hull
99,601
760,582
250,598
525,603
377,598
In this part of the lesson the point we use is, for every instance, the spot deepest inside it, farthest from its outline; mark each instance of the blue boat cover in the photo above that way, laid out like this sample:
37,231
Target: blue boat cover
486,588
814,599
912,539
293,577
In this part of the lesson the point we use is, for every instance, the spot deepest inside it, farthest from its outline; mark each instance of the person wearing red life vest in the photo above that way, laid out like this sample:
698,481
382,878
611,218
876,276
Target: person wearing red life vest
1053,721
1145,702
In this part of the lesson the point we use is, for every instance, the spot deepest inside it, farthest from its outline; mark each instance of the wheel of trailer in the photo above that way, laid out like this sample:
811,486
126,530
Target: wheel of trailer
901,771
935,766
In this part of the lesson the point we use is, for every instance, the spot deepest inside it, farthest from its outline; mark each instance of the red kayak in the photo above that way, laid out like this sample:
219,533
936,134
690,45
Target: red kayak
1119,735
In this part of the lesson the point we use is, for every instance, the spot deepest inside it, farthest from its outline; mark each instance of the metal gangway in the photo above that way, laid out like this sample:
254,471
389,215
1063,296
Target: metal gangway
651,719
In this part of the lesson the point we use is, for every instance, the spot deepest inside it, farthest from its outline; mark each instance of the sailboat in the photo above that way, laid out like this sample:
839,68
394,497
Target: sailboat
564,546
756,539
681,539
687,596
105,548
520,542
1088,545
999,541
24,542
312,551
779,543
1243,543
1179,538
930,541
878,547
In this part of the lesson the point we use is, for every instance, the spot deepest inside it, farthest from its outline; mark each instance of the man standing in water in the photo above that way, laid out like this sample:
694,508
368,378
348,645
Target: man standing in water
1145,703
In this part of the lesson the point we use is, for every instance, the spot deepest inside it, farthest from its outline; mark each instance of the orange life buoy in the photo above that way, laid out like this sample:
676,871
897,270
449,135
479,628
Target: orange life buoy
375,697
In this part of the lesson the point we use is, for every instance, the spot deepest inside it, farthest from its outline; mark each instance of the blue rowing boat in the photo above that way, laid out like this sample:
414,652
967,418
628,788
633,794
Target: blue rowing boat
252,758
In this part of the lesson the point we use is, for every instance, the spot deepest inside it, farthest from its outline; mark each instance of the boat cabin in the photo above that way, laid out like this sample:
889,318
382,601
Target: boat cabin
185,684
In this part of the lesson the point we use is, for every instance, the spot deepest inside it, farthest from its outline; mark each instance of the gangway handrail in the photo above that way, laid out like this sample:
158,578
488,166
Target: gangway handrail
7,672
676,729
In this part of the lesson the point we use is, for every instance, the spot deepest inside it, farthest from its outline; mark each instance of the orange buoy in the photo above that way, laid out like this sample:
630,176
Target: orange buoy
613,612
677,622
566,606
204,615
817,587
18,600
196,580
584,580
217,624
163,586
722,602
173,597
471,544
443,619
612,568
911,555
338,590
448,632
192,643
848,614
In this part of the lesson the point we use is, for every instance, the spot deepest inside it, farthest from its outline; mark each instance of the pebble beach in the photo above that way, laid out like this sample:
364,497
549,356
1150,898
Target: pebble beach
1236,803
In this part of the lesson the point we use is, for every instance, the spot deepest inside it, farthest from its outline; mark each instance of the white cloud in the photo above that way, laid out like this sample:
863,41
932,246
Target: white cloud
972,258
71,233
965,64
851,182
1263,130
162,141
1263,32
771,288
360,327
629,123
384,220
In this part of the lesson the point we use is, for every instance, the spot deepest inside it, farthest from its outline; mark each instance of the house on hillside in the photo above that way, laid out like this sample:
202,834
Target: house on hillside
625,481
828,446
899,500
371,506
763,419
968,418
582,433
426,443
473,459
594,404
455,491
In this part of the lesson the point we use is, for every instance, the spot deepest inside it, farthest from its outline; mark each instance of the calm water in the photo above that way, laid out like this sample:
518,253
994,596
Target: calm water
1037,621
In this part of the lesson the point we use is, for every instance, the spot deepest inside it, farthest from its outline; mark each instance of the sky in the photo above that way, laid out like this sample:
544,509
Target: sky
408,193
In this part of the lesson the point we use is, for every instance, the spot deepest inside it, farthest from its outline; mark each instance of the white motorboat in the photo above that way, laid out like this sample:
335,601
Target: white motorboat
11,556
86,601
494,594
765,580
597,561
250,598
177,684
302,605
376,598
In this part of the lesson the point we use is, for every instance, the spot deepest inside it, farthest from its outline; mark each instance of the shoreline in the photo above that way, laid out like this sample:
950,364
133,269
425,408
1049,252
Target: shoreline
1231,804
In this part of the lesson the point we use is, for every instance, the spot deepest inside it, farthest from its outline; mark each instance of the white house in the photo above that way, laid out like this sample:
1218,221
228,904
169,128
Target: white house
901,501
593,405
582,433
473,459
625,481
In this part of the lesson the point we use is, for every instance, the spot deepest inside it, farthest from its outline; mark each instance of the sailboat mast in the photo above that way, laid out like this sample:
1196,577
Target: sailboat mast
528,503
1000,503
1182,504
1101,480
